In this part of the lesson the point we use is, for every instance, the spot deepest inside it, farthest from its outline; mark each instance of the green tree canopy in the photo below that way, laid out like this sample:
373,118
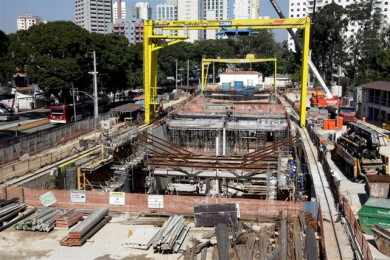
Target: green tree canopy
328,46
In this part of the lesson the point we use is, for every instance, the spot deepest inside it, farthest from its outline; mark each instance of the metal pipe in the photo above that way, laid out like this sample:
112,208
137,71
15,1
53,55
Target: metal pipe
17,219
82,228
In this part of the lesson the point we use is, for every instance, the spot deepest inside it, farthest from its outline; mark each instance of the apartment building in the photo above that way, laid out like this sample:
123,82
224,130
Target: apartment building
375,105
246,9
24,22
166,11
143,10
119,10
93,15
303,8
190,10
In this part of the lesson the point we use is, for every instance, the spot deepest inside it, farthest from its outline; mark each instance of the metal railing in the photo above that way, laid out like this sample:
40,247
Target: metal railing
34,143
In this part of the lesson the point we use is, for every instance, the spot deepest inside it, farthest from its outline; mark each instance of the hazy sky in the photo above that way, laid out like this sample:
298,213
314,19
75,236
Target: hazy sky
51,10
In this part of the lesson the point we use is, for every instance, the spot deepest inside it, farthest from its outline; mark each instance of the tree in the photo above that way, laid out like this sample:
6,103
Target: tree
59,54
327,38
5,64
369,47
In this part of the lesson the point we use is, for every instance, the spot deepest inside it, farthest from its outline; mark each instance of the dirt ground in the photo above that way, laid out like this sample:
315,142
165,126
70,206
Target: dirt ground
104,245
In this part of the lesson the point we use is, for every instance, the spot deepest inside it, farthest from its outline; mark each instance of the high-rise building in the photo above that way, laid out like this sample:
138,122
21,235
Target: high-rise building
166,11
119,10
135,31
303,8
143,10
217,10
94,15
246,9
132,29
26,21
190,10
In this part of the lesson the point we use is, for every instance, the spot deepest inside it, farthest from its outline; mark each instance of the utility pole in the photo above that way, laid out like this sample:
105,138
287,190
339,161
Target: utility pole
95,91
188,74
74,104
213,73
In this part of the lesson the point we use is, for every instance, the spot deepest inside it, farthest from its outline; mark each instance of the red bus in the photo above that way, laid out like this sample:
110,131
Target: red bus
60,114
64,113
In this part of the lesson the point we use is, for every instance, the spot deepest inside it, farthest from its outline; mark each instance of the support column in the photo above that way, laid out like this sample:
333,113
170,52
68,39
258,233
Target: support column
148,32
217,145
154,81
305,72
275,71
224,142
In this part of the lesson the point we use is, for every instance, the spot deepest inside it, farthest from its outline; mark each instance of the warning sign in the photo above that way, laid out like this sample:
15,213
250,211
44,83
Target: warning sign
117,198
156,201
78,196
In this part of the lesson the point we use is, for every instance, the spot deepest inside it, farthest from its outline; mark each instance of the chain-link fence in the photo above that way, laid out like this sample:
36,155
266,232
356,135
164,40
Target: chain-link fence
39,141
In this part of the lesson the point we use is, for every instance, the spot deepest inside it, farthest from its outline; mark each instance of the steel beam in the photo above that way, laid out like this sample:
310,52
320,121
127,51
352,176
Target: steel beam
154,42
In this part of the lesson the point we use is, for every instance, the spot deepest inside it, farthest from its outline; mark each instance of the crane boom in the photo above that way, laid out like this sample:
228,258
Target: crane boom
312,67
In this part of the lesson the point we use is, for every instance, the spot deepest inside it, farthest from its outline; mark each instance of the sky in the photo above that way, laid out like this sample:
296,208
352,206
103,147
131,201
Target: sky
52,10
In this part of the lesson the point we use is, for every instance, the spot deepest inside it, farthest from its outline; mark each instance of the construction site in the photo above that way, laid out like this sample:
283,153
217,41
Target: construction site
239,170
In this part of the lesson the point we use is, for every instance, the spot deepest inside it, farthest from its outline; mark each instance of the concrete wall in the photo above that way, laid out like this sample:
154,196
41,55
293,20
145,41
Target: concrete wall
137,203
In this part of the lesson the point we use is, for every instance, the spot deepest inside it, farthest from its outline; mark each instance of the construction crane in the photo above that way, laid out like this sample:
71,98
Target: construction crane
153,42
312,67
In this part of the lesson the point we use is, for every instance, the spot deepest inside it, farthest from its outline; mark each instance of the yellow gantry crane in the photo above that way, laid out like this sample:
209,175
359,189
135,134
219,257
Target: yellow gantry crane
250,58
154,42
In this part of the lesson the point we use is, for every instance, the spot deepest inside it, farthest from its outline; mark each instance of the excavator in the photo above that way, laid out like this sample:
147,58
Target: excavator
320,98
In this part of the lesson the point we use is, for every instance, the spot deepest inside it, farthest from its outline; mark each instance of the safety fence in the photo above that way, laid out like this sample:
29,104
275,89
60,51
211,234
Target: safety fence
144,203
356,230
45,139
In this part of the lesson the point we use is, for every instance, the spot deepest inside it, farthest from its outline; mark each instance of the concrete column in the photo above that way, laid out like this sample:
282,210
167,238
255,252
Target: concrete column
224,142
217,145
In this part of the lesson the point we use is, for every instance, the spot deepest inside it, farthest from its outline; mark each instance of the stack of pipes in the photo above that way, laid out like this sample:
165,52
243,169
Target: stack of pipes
43,220
171,235
84,230
10,212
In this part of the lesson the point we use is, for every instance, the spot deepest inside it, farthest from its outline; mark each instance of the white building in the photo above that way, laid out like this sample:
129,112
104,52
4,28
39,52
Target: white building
93,15
190,10
303,8
166,11
143,10
246,9
119,11
246,78
217,10
26,21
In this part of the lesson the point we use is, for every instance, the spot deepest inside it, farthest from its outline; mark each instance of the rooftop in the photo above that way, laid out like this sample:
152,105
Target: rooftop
378,85
127,108
241,73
